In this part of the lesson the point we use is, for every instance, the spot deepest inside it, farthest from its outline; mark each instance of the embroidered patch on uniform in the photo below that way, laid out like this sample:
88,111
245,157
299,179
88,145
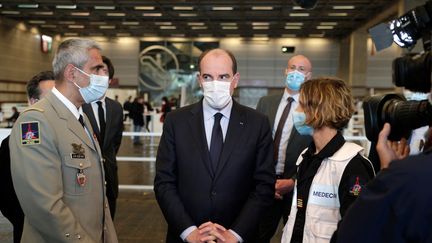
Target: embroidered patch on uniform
78,152
30,133
356,188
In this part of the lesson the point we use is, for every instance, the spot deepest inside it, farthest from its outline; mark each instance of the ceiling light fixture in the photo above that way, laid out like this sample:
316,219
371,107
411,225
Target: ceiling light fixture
328,23
104,7
182,8
76,26
260,23
66,22
80,14
37,21
222,8
28,5
107,27
262,8
66,6
144,8
116,14
199,27
292,27
344,7
164,27
294,23
325,27
338,14
152,14
299,14
229,27
130,23
260,27
163,23
195,23
187,15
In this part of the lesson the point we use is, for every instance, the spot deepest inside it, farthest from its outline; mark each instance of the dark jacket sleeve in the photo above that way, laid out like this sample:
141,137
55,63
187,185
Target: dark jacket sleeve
261,197
165,183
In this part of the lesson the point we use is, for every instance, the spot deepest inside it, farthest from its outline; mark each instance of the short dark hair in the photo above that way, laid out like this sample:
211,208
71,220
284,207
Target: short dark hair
233,59
33,84
108,62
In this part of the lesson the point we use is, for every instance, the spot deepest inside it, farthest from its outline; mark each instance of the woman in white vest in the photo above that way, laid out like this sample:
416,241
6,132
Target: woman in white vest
330,172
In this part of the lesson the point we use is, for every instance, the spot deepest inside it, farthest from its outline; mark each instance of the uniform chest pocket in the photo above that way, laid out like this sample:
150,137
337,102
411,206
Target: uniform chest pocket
76,175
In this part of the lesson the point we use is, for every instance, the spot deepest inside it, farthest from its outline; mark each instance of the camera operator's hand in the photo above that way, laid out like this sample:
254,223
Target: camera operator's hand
390,150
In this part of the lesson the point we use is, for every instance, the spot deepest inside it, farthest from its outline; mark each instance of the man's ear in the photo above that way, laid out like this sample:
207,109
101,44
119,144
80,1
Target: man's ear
309,76
236,79
69,72
198,79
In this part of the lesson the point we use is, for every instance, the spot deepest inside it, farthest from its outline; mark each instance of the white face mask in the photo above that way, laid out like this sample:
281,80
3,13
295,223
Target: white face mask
96,89
217,93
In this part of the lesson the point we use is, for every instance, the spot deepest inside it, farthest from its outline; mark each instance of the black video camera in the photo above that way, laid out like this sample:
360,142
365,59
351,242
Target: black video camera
412,71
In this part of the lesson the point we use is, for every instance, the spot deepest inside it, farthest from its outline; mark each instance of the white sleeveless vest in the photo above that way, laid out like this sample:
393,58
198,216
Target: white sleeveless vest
322,211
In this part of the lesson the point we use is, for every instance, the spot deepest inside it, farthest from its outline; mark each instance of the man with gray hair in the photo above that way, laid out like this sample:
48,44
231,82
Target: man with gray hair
56,163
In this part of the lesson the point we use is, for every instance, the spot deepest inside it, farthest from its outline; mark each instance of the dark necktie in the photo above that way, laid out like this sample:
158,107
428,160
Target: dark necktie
102,124
216,143
81,120
278,134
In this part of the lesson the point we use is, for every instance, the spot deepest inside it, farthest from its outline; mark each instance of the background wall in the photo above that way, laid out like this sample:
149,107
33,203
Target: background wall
262,63
20,59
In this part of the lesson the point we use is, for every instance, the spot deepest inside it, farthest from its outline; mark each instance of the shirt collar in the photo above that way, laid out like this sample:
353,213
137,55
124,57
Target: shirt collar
286,95
76,112
329,149
209,112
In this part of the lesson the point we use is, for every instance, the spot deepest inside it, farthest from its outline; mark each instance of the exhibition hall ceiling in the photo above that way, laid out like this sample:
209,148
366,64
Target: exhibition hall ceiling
193,18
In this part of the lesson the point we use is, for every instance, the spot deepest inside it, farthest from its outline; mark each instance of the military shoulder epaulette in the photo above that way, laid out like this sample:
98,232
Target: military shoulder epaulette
33,109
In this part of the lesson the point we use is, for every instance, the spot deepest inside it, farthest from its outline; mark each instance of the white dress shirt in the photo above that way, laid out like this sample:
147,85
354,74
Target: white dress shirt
286,131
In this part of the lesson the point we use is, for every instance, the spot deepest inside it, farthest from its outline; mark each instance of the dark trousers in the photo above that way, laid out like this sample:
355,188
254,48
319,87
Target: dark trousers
112,202
16,217
270,221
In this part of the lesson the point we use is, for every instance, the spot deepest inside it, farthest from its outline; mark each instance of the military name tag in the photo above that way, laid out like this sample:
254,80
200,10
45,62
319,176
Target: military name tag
81,178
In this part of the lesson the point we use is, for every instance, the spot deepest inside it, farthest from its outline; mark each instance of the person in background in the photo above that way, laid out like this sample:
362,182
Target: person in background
288,143
56,163
331,172
166,107
1,114
11,120
147,111
137,115
127,106
106,118
37,87
214,167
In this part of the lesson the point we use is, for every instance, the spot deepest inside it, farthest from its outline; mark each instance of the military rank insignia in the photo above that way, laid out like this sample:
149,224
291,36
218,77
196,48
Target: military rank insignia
356,188
78,152
30,133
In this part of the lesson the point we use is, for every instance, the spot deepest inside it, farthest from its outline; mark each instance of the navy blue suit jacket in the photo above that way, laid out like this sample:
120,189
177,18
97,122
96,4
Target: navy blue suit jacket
235,195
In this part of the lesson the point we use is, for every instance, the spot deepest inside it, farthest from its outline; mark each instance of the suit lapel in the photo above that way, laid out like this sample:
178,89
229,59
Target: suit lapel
197,129
108,117
273,106
72,123
234,133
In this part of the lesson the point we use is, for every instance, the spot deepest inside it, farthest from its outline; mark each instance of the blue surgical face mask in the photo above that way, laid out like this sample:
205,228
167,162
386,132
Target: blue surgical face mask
299,119
294,79
96,89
